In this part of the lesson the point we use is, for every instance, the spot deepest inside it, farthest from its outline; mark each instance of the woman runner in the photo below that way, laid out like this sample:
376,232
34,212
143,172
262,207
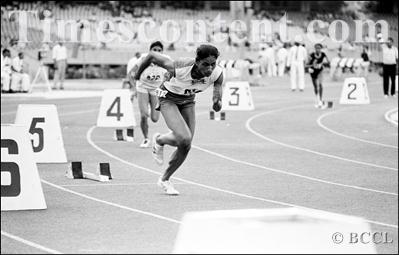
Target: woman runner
185,77
316,63
150,79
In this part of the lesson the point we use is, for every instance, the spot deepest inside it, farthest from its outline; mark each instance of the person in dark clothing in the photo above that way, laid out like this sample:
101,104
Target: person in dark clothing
316,63
389,60
365,64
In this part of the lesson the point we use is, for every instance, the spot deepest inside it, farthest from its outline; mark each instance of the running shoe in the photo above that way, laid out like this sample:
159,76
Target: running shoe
167,186
157,150
145,143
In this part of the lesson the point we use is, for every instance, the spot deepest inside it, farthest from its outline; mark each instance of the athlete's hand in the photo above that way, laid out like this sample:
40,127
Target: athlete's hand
217,104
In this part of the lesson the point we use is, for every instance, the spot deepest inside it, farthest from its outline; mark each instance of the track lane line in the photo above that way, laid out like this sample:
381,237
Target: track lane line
111,203
293,174
58,107
248,126
386,115
287,172
320,123
30,243
90,141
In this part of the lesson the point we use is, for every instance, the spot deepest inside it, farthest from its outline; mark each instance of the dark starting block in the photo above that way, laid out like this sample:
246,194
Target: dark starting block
130,135
214,116
105,170
327,104
119,136
76,172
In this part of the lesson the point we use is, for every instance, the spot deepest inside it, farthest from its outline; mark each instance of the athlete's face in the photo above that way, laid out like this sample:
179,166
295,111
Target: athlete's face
318,49
206,66
157,49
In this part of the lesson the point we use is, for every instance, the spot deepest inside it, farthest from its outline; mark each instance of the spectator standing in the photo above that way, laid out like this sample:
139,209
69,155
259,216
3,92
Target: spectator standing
296,62
262,59
389,60
60,56
282,54
6,71
271,61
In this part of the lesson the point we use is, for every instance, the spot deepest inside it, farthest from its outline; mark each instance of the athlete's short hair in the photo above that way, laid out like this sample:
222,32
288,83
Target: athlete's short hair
156,43
206,50
318,45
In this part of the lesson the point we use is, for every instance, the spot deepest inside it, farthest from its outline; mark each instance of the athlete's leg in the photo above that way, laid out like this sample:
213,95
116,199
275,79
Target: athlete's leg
320,85
316,90
153,105
143,99
180,123
315,86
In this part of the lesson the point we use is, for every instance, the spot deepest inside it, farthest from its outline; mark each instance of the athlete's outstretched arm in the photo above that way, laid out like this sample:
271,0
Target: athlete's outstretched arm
158,59
132,81
218,93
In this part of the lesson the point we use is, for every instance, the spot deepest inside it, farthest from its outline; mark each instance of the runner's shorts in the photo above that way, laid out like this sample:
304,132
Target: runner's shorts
179,100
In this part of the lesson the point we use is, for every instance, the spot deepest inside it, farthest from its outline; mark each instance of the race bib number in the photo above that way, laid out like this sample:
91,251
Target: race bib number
153,77
160,92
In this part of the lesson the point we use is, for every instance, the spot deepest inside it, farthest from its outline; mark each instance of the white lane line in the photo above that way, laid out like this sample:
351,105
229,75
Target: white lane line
59,109
293,174
77,112
248,126
290,173
110,203
29,243
388,118
320,123
90,141
116,184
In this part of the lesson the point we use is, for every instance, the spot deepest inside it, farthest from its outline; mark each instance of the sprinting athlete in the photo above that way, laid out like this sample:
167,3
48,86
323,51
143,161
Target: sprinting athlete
176,98
316,63
150,79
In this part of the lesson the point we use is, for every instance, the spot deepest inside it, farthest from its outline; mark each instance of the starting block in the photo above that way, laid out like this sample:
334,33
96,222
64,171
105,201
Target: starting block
105,170
213,116
327,104
129,135
76,172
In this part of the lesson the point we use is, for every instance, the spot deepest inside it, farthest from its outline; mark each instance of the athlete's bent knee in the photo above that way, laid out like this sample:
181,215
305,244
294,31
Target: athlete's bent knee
184,142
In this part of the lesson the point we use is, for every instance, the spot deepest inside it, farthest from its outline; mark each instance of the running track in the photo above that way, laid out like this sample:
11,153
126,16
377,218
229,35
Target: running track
285,153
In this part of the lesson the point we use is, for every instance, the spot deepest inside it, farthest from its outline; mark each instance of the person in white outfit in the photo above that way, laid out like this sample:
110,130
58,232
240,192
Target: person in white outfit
296,62
60,64
263,59
6,71
282,55
271,61
20,79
